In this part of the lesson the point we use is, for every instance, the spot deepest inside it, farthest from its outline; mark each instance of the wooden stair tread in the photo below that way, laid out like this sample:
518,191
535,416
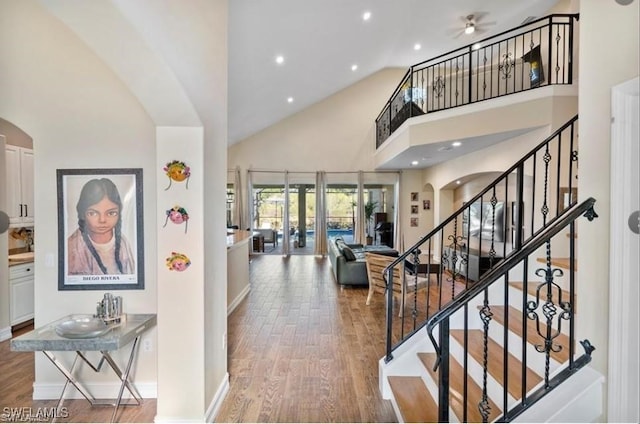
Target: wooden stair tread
515,325
456,388
495,362
413,399
561,262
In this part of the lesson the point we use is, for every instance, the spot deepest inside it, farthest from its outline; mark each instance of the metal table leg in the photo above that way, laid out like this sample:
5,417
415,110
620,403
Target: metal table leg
123,376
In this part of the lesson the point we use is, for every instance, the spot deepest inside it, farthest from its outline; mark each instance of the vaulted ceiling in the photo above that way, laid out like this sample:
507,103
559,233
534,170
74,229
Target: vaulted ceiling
321,43
321,40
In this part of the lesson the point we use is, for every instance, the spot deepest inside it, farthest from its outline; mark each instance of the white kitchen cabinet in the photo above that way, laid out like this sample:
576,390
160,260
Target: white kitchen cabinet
21,278
19,186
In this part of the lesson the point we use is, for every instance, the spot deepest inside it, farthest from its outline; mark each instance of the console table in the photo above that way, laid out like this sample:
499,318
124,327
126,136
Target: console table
128,331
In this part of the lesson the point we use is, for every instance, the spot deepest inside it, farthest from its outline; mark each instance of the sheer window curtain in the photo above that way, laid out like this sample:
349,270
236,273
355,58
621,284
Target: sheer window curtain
238,200
359,231
286,249
321,214
251,212
398,241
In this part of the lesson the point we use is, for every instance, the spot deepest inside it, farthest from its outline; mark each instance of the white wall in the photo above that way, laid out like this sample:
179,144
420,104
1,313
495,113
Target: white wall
181,388
609,56
79,115
335,134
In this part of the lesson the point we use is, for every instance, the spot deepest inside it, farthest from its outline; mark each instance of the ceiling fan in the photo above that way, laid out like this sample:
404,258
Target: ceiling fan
473,24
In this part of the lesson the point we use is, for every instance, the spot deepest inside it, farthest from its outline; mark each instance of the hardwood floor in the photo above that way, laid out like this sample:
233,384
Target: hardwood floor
301,349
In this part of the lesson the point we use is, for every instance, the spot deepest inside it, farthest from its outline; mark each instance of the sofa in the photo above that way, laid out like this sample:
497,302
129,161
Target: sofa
348,261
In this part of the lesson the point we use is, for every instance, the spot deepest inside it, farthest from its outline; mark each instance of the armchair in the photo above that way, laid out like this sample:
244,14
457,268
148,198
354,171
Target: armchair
269,235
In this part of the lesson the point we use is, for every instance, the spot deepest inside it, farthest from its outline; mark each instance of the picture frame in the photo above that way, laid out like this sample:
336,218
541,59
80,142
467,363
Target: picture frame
414,209
100,229
414,196
414,222
426,205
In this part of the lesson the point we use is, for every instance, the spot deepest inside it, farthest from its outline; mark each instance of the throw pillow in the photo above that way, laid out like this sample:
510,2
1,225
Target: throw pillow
340,244
348,254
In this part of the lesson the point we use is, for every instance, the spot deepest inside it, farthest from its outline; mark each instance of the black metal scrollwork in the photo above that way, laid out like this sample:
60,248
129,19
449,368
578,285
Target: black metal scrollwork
550,311
507,65
439,86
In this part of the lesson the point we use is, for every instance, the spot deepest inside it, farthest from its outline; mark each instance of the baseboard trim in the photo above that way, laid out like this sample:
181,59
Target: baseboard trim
216,402
234,304
159,419
5,334
211,411
48,391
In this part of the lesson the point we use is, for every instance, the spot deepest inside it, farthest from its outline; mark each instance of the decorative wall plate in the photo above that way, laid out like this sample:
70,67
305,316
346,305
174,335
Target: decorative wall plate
177,171
177,215
178,262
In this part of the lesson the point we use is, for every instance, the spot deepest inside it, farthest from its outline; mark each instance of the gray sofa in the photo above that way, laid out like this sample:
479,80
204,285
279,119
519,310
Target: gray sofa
348,263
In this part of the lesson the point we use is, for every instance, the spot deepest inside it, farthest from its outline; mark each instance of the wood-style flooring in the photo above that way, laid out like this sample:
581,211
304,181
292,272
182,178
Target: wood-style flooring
301,349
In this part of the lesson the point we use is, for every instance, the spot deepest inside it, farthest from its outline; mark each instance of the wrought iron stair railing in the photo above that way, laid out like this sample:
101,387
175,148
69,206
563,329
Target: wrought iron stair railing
480,248
543,315
532,55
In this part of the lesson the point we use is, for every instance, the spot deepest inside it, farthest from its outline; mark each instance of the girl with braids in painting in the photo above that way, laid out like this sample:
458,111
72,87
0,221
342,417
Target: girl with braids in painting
97,247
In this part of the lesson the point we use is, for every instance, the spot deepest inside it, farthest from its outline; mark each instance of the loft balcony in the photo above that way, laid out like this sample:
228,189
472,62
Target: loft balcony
489,91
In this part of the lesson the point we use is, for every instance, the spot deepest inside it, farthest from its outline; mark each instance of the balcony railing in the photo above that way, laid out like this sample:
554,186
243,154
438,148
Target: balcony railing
533,55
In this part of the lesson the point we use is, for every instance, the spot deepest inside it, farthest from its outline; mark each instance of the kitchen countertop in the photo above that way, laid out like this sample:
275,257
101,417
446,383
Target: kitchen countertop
235,237
17,258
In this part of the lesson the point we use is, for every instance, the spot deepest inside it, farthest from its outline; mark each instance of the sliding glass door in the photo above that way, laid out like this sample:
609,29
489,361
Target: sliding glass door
283,206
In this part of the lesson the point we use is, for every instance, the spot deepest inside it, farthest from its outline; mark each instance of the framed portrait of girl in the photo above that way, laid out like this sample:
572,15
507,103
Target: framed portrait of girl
100,229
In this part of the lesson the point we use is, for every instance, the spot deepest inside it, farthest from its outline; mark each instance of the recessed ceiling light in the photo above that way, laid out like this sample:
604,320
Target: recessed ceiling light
289,99
458,182
456,144
414,163
354,67
279,60
366,16
417,46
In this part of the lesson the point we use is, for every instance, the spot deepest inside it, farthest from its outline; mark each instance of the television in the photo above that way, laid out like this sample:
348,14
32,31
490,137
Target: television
478,220
536,71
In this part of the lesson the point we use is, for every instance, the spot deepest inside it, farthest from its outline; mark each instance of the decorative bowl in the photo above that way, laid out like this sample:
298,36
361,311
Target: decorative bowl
82,327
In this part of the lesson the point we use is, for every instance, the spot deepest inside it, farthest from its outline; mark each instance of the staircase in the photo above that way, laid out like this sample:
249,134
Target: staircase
493,350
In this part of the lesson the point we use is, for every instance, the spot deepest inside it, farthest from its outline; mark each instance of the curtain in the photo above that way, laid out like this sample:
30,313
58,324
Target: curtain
286,250
359,231
250,205
321,214
398,237
238,201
